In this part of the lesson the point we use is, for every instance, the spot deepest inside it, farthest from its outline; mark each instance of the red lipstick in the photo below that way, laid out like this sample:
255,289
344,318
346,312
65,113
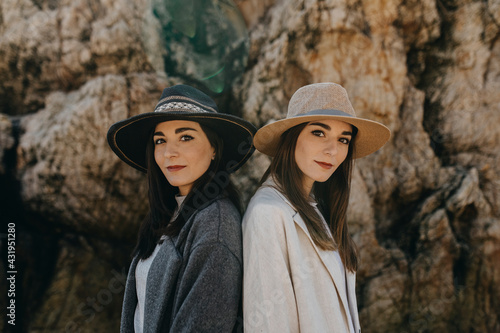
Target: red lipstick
174,168
324,165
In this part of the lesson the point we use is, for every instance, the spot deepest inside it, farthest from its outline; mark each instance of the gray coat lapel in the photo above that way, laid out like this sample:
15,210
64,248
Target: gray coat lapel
129,300
159,305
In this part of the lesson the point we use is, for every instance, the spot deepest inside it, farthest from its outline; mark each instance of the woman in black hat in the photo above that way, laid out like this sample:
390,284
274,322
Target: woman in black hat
186,271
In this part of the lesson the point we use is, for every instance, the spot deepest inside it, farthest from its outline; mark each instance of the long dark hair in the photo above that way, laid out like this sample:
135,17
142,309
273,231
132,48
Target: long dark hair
332,197
162,204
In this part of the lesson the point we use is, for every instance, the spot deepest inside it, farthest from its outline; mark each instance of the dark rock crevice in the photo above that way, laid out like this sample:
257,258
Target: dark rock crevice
36,247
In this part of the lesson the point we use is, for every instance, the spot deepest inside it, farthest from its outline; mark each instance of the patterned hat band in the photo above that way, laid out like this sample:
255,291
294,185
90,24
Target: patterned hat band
186,105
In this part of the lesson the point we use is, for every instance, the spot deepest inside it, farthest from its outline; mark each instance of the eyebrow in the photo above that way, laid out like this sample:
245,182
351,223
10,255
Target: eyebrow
177,131
328,128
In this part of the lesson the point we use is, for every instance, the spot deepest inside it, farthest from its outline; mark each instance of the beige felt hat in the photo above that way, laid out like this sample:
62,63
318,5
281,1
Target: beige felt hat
323,101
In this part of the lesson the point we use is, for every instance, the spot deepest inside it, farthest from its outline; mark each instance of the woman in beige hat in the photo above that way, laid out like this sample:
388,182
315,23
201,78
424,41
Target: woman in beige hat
186,273
299,260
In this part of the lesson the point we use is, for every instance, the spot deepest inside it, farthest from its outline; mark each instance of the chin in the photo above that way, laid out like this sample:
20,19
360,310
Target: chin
174,183
323,179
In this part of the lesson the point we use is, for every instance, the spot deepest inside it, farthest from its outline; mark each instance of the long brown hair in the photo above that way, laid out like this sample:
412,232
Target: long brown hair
332,197
162,204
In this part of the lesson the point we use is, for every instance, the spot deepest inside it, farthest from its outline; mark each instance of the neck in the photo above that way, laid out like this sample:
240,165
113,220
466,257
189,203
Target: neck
307,187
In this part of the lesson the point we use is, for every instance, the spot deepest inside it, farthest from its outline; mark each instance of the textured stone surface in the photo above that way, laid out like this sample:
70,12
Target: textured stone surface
6,139
204,40
67,172
425,210
425,206
48,46
86,290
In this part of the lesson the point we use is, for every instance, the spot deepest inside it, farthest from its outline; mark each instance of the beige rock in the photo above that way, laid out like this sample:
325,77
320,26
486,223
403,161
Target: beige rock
425,210
68,172
494,9
46,48
86,291
420,22
421,206
254,10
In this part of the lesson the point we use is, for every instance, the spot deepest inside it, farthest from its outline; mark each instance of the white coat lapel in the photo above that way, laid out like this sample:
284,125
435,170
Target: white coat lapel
353,304
327,257
329,261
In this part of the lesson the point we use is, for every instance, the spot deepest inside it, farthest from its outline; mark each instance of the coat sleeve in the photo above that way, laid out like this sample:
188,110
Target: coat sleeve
209,293
268,296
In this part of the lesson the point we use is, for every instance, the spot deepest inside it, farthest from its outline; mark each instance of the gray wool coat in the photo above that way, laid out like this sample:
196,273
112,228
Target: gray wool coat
194,283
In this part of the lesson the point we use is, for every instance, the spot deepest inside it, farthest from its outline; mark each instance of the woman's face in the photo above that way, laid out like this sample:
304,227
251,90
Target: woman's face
321,147
183,152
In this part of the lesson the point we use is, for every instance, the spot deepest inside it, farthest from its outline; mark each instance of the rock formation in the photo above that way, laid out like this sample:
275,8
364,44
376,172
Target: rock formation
425,210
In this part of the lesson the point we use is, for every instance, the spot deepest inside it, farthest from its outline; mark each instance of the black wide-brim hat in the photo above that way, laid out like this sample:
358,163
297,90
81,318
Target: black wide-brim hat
128,138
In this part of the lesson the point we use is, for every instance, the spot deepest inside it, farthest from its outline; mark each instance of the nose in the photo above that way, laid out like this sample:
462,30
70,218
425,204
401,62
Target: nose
171,150
331,148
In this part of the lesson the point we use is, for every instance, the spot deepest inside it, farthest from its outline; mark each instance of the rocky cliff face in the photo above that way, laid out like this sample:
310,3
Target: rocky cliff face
425,210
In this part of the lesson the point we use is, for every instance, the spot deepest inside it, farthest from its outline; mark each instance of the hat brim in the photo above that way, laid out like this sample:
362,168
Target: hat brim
128,138
371,135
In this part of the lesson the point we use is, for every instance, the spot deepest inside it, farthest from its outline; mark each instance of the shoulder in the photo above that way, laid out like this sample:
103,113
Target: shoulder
268,212
217,223
267,200
220,212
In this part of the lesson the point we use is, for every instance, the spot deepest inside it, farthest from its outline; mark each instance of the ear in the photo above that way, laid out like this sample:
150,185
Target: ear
213,153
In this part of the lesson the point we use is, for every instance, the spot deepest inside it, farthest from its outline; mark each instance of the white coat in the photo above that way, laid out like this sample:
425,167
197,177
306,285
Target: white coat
289,284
